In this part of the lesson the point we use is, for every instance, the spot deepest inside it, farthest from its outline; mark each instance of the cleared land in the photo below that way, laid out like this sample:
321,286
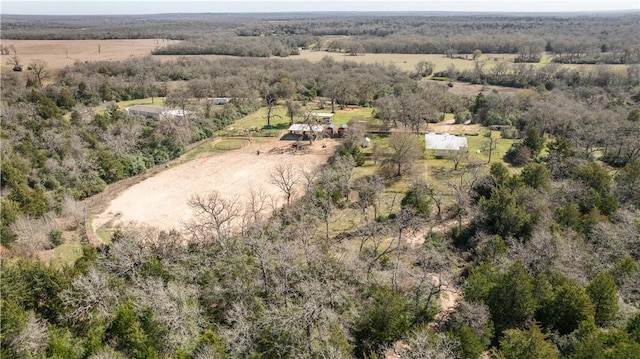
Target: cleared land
60,53
161,201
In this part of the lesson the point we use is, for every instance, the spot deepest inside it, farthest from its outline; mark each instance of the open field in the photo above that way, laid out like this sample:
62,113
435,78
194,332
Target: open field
60,53
161,201
404,61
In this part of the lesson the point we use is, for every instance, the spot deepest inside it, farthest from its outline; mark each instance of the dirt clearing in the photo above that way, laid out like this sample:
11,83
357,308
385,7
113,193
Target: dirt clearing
161,201
60,53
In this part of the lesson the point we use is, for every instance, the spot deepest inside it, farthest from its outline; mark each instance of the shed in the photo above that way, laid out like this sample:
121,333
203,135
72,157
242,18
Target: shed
303,128
442,143
322,116
342,129
331,129
217,100
146,111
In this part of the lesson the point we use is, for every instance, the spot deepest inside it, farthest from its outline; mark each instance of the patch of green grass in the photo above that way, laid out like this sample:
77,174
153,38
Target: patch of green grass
344,116
204,147
66,254
157,101
258,119
105,234
230,144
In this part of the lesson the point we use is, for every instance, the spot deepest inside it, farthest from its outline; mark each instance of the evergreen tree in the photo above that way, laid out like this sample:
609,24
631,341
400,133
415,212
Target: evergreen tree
511,301
603,293
527,344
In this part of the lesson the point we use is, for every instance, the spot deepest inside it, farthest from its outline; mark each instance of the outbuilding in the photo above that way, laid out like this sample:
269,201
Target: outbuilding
322,117
303,129
153,112
145,111
443,143
331,129
343,128
217,100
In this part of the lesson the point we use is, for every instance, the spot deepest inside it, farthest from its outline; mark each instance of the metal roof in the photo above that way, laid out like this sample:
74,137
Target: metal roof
147,109
321,114
303,127
445,141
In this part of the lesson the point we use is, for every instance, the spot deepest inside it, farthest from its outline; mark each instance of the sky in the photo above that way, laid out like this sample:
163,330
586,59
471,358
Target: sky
100,7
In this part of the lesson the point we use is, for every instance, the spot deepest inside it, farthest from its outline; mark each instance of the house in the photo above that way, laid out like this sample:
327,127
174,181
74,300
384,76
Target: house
217,100
442,143
153,112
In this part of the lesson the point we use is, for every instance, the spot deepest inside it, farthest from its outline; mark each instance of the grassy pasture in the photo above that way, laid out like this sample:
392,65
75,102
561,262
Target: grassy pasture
404,61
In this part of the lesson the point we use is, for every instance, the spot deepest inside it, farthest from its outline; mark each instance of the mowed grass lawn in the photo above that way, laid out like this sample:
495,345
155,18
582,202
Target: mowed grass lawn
280,120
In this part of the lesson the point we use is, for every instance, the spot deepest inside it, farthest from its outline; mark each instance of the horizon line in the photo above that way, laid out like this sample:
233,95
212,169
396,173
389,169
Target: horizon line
524,12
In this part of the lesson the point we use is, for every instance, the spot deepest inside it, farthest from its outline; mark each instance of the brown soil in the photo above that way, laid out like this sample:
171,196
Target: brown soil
161,200
60,53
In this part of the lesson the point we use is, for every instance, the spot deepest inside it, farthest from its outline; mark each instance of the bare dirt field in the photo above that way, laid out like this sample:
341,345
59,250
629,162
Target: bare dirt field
60,53
161,201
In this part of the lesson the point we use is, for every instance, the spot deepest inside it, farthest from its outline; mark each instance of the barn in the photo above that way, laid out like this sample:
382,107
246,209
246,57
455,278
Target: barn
303,129
443,143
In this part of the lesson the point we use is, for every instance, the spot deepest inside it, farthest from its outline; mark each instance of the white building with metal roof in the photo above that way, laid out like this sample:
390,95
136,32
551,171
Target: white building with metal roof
442,143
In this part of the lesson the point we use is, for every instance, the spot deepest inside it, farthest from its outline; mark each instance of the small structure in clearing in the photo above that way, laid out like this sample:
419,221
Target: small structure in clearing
153,112
323,117
304,129
217,100
443,143
343,128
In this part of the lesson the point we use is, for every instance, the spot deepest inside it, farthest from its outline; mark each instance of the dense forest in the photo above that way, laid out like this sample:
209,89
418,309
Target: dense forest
542,246
569,38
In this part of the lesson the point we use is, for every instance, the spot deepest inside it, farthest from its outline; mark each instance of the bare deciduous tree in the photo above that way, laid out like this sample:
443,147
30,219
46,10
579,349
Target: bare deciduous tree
257,202
39,69
32,339
175,310
286,178
15,62
32,234
426,343
89,296
214,216
457,156
405,150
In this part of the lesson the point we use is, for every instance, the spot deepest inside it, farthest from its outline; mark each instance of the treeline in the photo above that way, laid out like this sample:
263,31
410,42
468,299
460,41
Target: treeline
547,76
234,46
571,38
